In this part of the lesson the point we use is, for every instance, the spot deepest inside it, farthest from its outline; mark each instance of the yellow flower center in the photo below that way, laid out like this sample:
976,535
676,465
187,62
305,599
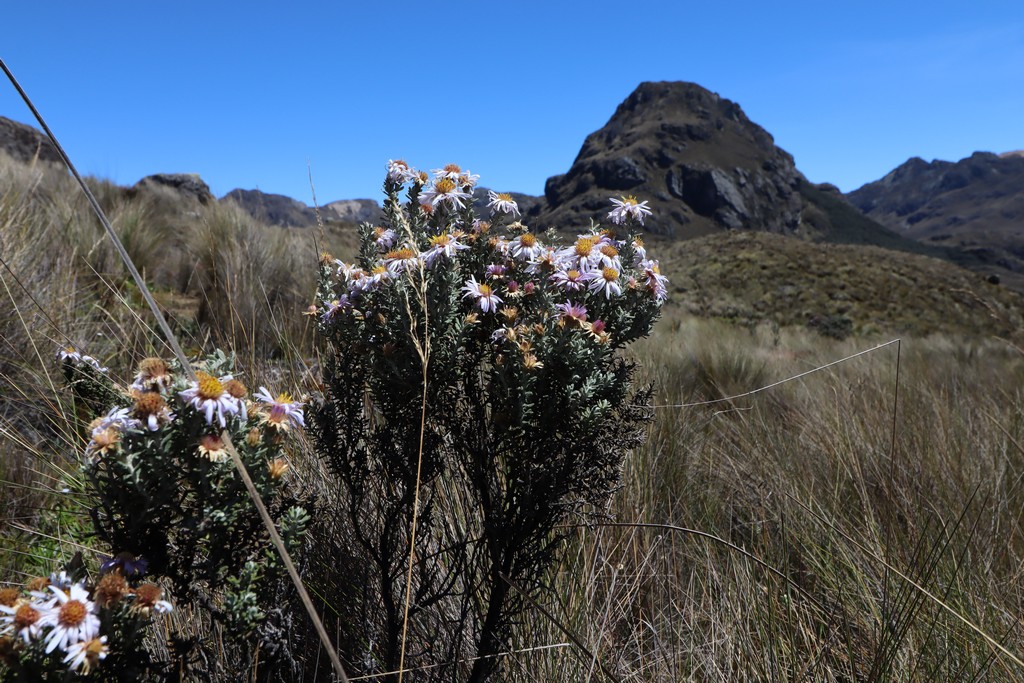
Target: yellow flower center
609,251
630,200
378,270
444,185
610,274
528,239
584,246
72,613
210,388
504,197
573,274
402,254
441,240
452,168
485,290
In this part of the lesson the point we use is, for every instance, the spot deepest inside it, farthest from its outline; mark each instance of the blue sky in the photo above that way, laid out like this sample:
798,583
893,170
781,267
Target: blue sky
255,95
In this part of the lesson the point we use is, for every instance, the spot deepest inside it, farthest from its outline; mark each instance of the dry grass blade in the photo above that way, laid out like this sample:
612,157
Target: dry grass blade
914,584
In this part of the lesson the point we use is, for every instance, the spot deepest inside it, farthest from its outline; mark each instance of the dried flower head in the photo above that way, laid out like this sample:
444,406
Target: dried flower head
111,589
9,595
151,409
277,468
213,448
153,375
149,598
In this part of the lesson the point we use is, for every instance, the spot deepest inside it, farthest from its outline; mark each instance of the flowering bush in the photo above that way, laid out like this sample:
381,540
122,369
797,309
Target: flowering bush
50,628
475,401
167,501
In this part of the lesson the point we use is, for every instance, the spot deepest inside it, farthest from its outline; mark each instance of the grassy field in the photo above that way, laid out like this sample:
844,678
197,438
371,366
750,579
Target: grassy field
859,523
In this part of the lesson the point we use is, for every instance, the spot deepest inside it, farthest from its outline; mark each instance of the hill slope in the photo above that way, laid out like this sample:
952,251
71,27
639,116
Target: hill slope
749,277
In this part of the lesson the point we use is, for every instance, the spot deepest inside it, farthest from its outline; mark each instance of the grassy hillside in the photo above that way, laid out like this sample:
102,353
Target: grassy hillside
748,277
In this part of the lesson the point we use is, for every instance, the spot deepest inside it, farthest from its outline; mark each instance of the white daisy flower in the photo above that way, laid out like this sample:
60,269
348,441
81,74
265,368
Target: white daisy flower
640,250
525,247
606,280
444,190
654,280
446,245
279,411
85,654
149,599
209,397
336,308
348,271
583,254
570,280
23,619
119,419
574,313
384,238
628,208
485,296
398,261
501,202
68,353
400,172
153,375
72,618
151,409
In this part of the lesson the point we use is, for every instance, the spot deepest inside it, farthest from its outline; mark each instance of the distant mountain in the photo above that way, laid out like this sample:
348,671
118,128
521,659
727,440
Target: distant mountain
975,205
273,209
695,156
24,143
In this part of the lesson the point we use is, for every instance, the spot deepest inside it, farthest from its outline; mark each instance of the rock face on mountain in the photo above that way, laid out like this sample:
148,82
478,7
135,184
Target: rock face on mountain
188,186
274,209
695,156
355,210
975,204
25,143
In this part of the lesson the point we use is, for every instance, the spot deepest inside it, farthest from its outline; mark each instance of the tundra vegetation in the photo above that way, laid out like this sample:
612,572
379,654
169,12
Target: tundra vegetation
583,501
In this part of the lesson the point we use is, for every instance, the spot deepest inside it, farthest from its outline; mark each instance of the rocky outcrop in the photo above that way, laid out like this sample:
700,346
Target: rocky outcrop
188,186
273,209
694,156
26,144
355,210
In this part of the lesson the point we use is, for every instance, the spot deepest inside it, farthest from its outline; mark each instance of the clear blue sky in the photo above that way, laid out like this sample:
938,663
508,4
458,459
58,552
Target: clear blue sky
245,94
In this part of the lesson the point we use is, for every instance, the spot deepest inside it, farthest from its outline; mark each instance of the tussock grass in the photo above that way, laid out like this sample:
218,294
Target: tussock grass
804,478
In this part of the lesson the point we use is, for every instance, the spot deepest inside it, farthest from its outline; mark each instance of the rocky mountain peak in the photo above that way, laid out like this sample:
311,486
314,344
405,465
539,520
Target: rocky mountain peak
24,143
702,164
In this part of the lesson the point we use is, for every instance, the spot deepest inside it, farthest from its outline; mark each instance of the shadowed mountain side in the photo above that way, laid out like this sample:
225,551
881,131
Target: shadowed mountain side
974,205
